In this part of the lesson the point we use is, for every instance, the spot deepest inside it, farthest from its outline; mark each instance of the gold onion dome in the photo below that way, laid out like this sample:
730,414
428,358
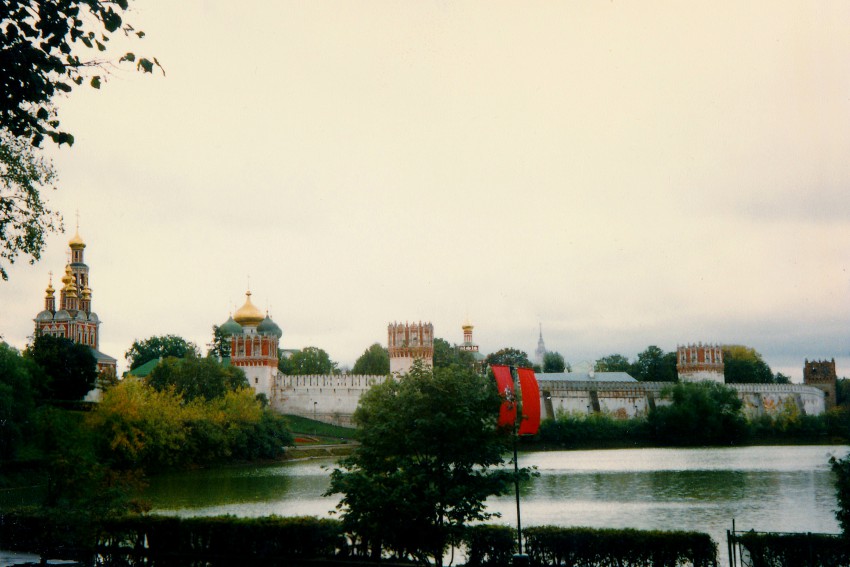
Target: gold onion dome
77,241
67,278
49,291
248,315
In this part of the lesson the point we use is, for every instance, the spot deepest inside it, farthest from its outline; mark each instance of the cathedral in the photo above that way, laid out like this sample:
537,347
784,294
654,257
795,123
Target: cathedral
73,318
254,340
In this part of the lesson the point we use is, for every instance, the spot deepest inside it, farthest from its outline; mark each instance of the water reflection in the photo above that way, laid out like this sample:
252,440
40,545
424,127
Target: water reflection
288,489
764,488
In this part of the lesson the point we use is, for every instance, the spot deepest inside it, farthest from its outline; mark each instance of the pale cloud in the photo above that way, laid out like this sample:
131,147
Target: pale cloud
625,173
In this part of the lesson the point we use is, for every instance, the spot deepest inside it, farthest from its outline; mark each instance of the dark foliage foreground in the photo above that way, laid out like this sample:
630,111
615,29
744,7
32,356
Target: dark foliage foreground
791,550
168,541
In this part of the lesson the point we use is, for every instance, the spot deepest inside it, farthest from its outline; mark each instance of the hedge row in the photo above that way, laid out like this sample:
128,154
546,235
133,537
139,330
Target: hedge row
225,539
273,540
493,546
792,550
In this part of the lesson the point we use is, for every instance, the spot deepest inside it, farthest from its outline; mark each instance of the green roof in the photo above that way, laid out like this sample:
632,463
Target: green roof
145,369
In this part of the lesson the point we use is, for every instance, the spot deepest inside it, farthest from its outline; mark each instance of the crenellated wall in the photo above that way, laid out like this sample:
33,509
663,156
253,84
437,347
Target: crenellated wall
629,399
328,398
334,398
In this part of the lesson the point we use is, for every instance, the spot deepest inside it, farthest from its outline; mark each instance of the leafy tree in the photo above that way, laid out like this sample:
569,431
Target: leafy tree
196,378
613,363
841,468
47,49
71,368
510,357
446,355
781,378
17,399
842,391
284,363
138,426
654,365
374,360
159,347
704,413
553,362
220,346
312,360
743,365
24,216
429,457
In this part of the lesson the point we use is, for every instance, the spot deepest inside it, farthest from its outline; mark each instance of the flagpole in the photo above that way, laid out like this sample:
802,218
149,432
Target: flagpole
519,559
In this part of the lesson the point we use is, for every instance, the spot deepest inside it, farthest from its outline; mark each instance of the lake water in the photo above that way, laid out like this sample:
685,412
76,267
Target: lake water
762,488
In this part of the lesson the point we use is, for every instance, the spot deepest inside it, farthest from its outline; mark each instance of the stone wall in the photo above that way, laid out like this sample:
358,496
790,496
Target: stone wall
327,398
630,399
333,399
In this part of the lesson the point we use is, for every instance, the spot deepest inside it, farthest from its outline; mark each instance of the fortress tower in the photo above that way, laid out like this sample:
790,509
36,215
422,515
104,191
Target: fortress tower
821,374
469,345
254,339
406,343
73,318
700,363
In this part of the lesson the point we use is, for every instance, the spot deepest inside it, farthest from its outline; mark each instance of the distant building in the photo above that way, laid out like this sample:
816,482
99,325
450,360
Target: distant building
468,345
73,318
254,340
540,352
821,375
700,363
408,342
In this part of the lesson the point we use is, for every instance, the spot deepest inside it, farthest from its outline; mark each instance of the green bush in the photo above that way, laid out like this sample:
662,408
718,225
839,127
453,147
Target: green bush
489,545
794,550
841,468
555,546
593,430
224,539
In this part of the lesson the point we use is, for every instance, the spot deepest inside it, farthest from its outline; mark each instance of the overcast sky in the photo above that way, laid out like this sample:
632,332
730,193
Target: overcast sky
623,173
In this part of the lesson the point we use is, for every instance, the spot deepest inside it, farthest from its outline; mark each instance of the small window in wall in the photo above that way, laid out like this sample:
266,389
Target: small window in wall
256,380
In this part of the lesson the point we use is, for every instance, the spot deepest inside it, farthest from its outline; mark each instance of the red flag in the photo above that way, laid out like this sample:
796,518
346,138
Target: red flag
530,422
505,385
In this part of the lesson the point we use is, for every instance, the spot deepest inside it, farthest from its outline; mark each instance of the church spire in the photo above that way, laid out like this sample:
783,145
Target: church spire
540,353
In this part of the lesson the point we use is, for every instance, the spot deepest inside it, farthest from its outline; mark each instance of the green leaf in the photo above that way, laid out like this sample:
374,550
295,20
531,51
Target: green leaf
146,65
111,21
42,114
100,46
140,34
61,138
128,57
86,41
95,82
63,87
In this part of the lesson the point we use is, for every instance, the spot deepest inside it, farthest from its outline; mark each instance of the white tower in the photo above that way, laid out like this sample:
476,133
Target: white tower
253,346
406,343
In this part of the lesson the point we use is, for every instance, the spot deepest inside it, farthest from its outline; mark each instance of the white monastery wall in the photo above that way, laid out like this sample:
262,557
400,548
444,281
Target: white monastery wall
334,398
328,398
772,399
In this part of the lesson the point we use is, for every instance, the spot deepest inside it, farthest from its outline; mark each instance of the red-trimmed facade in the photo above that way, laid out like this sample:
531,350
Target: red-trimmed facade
73,317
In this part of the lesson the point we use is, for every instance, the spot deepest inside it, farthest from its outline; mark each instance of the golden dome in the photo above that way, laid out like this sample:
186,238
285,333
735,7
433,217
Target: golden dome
67,278
49,291
77,241
248,315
